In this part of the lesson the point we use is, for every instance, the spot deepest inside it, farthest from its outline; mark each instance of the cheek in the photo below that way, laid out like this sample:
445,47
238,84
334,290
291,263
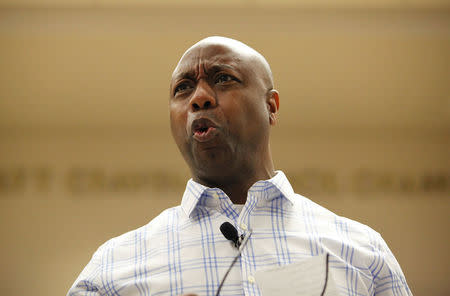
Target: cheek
253,115
178,125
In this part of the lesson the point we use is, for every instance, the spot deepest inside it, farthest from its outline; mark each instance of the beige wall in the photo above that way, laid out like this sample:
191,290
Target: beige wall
86,153
233,3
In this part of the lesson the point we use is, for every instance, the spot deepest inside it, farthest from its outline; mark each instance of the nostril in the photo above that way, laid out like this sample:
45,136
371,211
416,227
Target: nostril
196,107
207,104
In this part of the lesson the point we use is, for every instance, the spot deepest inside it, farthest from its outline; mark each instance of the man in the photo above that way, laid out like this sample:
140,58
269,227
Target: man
222,106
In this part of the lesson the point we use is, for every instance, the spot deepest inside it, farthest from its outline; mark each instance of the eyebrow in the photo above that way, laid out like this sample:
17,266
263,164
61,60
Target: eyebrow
220,67
190,74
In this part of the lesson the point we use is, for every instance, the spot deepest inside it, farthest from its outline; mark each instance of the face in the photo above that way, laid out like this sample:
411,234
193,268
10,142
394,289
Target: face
219,111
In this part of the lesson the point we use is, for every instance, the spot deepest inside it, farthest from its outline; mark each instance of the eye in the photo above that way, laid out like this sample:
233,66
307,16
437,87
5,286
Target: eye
223,78
182,87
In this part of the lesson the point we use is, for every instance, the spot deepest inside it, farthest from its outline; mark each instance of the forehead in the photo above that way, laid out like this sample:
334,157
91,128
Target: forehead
204,57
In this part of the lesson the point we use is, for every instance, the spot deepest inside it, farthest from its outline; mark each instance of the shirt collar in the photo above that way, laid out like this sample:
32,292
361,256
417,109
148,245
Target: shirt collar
197,194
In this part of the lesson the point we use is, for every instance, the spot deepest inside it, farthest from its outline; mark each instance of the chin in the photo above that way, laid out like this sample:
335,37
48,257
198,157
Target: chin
213,163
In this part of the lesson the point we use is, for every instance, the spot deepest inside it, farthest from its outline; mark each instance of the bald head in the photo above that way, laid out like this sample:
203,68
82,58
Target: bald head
239,50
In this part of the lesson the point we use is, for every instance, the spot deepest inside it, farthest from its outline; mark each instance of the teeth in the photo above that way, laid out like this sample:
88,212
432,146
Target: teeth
202,129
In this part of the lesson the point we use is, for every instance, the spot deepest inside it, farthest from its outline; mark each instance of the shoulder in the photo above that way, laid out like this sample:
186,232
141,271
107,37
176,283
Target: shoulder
119,252
354,246
329,221
339,235
156,227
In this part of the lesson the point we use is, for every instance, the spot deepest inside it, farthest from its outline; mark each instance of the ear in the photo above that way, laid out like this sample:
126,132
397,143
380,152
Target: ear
273,105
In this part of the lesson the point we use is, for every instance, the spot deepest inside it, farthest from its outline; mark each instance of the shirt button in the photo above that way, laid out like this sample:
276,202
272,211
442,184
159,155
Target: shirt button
243,226
251,279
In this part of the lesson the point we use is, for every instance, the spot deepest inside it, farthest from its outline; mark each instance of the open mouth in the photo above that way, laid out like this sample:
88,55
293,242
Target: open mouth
203,129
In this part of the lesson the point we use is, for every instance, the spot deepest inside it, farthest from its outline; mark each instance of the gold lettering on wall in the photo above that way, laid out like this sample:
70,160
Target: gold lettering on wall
78,181
83,180
375,181
17,179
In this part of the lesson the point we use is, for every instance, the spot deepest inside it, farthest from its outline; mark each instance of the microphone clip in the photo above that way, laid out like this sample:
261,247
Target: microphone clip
239,241
231,233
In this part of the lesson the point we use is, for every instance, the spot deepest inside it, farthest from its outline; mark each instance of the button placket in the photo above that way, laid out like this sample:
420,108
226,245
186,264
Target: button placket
251,279
243,226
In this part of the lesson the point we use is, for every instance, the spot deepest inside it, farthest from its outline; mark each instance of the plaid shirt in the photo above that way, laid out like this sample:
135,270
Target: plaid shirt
183,251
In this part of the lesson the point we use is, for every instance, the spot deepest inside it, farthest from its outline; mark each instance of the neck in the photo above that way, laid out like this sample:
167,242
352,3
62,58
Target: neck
236,184
238,191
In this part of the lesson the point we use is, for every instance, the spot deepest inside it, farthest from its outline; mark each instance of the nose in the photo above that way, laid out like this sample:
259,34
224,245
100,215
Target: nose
204,97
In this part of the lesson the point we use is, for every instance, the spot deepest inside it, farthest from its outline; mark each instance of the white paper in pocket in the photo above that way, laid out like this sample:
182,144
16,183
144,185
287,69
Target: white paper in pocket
309,277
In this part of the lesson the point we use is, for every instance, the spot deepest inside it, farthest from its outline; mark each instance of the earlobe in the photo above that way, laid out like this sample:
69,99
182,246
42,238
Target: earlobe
273,105
272,119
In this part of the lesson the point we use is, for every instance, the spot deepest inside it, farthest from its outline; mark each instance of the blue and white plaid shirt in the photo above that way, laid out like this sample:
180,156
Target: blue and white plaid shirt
183,251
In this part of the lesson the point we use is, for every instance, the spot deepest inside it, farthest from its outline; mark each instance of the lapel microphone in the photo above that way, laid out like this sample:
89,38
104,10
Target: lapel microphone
230,233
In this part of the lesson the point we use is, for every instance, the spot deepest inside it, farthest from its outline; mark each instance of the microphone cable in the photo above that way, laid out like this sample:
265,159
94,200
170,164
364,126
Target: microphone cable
231,233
